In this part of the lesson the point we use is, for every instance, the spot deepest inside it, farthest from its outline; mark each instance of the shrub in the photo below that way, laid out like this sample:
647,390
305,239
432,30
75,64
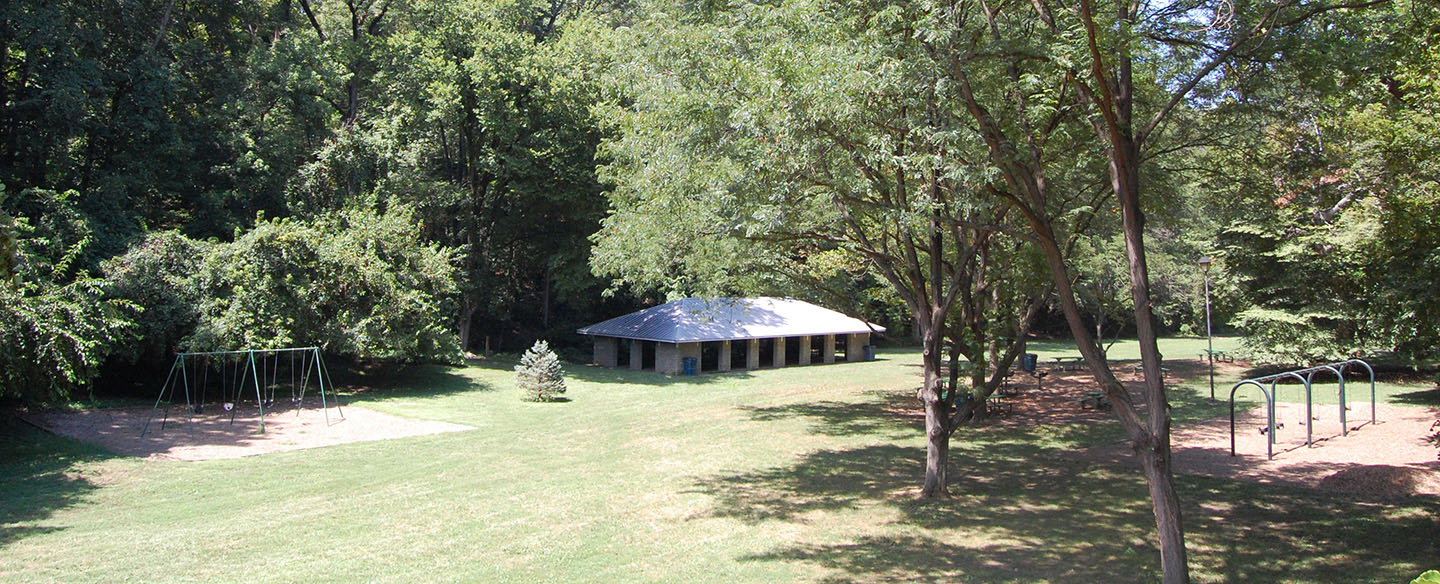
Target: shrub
539,374
157,274
356,282
55,326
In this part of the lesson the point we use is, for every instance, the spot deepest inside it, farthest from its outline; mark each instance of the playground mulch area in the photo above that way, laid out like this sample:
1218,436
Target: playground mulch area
1390,458
211,434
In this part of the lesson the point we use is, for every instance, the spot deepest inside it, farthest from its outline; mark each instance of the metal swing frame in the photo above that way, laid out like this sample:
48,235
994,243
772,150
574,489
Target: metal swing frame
1305,376
179,377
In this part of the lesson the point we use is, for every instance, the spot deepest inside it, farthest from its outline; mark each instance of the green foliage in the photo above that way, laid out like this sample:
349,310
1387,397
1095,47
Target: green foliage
158,275
55,326
539,375
1281,336
1428,577
355,282
1339,216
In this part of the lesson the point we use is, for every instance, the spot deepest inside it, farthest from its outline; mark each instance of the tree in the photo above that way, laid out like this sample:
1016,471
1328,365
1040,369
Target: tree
539,374
156,275
355,282
795,159
120,106
1336,248
55,329
476,114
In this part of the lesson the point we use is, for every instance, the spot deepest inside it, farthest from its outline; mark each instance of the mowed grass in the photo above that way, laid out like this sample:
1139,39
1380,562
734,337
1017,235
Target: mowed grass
800,474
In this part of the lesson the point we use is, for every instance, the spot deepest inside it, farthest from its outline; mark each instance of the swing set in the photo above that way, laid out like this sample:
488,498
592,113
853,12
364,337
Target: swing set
233,375
1305,376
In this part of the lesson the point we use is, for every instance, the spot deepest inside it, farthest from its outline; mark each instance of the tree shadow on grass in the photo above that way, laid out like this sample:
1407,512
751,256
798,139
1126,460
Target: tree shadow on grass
607,375
1429,397
1254,533
893,414
1022,512
821,480
1008,518
37,477
368,384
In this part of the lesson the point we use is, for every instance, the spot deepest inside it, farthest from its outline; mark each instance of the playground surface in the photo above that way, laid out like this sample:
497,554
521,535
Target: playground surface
1386,459
212,435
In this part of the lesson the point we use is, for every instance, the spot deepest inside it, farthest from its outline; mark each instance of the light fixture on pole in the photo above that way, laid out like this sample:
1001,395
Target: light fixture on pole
1209,336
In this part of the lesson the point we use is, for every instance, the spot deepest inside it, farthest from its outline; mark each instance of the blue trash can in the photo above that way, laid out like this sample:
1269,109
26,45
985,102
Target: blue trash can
690,365
1030,362
869,351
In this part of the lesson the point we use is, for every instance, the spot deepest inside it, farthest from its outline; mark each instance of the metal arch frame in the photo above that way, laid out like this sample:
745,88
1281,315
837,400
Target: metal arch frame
316,366
1338,368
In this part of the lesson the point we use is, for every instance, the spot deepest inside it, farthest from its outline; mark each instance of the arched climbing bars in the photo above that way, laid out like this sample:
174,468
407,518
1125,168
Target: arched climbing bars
1306,377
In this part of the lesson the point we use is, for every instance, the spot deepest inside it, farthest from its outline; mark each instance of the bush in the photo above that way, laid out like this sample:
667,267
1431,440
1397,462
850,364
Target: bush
55,327
158,275
539,374
357,283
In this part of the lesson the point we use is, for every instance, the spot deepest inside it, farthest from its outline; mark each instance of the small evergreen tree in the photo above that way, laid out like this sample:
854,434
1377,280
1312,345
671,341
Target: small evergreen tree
539,374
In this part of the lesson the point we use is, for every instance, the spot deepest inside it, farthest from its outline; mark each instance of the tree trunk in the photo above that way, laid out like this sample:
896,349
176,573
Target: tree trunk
545,298
1155,455
937,451
937,414
1151,440
467,313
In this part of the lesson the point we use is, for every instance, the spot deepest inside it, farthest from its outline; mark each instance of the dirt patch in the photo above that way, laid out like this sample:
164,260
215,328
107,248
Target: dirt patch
1390,458
1382,480
211,434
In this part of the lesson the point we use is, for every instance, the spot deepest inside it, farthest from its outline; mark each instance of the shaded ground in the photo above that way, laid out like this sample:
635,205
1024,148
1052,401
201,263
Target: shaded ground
211,434
1389,458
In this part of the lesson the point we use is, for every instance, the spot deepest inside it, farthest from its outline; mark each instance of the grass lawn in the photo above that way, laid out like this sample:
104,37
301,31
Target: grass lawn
799,474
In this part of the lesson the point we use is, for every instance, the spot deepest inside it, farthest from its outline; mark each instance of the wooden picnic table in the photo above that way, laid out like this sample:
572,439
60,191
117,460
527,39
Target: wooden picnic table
1095,399
1069,363
1217,355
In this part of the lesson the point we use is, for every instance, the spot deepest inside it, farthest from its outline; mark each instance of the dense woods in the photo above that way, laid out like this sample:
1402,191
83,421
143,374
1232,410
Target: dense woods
270,172
385,179
413,179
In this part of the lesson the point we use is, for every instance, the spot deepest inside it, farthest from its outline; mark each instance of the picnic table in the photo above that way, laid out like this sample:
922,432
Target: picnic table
1217,355
1141,369
1069,363
1095,399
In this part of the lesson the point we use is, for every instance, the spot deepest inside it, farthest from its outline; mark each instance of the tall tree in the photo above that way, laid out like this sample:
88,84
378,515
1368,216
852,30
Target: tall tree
1114,66
752,137
1334,247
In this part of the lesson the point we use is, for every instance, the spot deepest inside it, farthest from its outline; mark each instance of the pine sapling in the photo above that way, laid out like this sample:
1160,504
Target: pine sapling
539,374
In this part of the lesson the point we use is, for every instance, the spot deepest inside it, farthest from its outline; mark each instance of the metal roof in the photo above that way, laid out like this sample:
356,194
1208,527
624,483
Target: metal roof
728,319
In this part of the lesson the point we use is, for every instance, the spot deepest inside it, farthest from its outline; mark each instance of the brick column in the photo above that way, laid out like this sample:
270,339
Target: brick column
667,358
854,344
637,354
778,358
827,349
752,354
606,351
724,356
806,345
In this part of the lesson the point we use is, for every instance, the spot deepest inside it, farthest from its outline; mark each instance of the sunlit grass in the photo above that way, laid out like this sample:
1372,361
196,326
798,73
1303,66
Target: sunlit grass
798,474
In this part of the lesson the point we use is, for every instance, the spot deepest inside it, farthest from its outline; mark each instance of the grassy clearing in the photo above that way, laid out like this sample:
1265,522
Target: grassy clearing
799,474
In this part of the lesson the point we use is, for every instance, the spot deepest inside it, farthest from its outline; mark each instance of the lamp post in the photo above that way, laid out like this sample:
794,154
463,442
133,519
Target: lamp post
1209,336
